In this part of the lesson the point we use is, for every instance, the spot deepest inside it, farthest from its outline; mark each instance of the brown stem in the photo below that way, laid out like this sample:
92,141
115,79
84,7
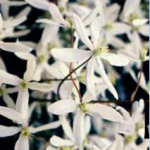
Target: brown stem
71,67
138,85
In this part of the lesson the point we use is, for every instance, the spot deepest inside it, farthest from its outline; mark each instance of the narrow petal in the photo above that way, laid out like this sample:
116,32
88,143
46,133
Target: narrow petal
118,143
45,127
67,128
82,31
22,143
115,59
43,87
14,22
57,16
106,112
9,101
79,129
70,55
90,77
44,5
14,47
8,131
62,107
22,104
106,79
30,70
144,30
48,21
59,142
11,114
9,78
139,22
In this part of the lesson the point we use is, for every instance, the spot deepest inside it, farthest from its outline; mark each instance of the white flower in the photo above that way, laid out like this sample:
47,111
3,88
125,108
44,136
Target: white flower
23,85
98,51
63,107
25,130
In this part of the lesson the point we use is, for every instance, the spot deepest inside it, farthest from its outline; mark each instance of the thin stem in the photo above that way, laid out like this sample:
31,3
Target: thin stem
60,84
71,67
138,84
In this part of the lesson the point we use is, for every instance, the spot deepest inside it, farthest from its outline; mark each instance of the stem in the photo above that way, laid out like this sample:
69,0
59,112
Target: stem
71,67
138,84
60,84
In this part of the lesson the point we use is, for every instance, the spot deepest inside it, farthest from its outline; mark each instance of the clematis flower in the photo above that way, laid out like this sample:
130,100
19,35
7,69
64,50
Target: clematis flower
24,84
25,130
98,51
135,17
63,107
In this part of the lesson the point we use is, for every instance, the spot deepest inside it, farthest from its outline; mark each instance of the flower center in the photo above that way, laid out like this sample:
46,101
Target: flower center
84,108
41,59
25,132
2,92
109,26
143,54
51,46
24,84
100,50
132,17
129,139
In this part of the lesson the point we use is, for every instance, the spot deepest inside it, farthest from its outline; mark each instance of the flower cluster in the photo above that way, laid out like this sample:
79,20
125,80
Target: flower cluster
71,74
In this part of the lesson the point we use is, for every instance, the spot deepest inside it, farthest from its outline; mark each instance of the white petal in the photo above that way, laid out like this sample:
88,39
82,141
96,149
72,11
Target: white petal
118,143
59,142
22,103
115,59
67,128
9,78
30,70
9,101
106,112
106,79
44,5
120,28
47,21
57,16
14,22
139,22
144,30
90,80
11,114
45,127
70,55
62,107
95,30
79,129
43,87
14,47
82,31
22,143
8,131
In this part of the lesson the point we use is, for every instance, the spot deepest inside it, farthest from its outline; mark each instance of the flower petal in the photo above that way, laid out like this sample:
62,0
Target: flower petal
22,104
70,54
115,59
62,107
30,70
43,87
139,22
8,131
106,79
79,129
144,30
8,78
106,112
59,142
57,16
90,80
11,114
14,47
22,143
44,5
82,31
